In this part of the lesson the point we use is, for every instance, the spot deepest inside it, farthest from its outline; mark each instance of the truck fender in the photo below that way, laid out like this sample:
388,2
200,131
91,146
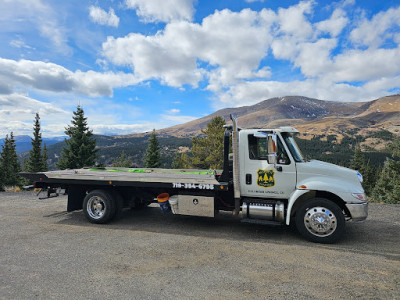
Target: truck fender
292,199
335,186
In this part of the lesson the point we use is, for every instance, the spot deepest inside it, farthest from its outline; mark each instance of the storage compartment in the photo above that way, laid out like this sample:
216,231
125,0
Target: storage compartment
195,205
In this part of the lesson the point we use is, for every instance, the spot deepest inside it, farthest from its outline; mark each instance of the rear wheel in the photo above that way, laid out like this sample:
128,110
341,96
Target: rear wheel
320,220
99,206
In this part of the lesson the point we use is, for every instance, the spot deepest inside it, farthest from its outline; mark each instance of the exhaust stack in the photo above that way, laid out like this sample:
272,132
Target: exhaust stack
235,148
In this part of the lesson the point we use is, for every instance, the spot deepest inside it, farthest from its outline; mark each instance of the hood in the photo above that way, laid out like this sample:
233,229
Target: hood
320,168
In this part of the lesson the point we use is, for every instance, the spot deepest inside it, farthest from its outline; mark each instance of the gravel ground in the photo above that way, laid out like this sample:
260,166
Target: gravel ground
47,253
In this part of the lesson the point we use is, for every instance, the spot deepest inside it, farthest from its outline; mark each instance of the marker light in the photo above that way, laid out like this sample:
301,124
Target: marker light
360,196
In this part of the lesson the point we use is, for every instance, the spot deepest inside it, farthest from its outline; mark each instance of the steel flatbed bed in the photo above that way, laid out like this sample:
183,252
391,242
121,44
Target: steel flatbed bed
132,177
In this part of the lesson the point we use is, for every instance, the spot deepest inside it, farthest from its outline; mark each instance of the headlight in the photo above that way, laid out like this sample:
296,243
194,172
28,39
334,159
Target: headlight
360,196
360,177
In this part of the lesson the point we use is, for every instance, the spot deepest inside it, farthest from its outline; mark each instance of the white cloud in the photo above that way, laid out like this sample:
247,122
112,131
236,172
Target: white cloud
121,129
174,111
162,10
100,16
231,43
54,78
20,44
17,112
27,104
335,24
373,33
314,58
152,57
24,14
231,51
362,65
293,21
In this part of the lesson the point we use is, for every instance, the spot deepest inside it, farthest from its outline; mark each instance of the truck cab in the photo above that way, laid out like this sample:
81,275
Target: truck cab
277,184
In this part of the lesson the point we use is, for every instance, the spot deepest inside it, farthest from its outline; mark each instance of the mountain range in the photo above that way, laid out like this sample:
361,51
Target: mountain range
310,116
23,142
375,121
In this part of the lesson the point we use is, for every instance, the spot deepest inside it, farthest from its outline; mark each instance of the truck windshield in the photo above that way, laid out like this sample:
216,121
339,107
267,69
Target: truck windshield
292,145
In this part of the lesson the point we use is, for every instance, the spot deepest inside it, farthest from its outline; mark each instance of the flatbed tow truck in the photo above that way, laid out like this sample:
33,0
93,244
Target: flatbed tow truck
266,180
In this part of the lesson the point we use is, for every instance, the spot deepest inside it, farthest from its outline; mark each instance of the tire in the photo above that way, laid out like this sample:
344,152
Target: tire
320,221
99,207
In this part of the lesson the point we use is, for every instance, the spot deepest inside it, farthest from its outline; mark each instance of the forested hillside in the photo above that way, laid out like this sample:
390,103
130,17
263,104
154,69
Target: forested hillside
111,147
321,147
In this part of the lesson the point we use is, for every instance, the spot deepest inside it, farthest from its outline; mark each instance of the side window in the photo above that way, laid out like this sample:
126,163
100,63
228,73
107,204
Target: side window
282,157
258,150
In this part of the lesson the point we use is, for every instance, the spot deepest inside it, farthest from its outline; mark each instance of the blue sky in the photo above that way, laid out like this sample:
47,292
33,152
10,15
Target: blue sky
135,65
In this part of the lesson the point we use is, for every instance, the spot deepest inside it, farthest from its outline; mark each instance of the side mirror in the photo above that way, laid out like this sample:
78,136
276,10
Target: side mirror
272,148
272,145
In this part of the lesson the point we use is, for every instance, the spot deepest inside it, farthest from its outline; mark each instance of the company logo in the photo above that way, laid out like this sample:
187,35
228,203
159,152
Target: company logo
265,178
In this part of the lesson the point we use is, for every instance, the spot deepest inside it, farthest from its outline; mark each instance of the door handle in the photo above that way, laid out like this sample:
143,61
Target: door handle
248,178
279,168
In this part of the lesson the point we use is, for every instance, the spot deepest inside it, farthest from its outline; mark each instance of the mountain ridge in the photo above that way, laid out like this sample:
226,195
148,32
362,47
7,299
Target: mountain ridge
312,116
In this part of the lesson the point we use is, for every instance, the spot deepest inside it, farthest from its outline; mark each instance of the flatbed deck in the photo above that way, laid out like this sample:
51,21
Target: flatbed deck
170,178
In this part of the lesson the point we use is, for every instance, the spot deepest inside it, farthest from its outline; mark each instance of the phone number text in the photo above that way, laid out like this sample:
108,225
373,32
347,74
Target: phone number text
199,186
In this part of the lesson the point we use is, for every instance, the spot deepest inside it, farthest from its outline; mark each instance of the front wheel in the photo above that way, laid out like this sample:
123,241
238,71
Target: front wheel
99,207
320,220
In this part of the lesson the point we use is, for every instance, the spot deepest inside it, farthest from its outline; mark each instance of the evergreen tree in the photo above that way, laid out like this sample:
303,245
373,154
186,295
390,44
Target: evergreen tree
360,164
80,150
370,176
9,164
358,161
122,161
387,188
208,150
35,162
45,158
152,158
177,163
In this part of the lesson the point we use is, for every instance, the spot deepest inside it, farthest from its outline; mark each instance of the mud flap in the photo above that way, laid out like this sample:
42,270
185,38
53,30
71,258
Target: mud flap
75,198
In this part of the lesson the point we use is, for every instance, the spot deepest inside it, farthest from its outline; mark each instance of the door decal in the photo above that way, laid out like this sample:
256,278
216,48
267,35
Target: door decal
265,178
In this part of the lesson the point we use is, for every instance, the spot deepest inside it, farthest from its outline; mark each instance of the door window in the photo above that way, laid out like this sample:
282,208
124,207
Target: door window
258,150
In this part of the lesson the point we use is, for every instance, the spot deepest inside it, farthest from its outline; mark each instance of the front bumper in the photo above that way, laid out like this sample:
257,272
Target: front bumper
358,211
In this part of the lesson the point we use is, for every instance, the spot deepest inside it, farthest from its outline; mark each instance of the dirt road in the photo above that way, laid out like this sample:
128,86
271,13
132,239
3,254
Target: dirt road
46,253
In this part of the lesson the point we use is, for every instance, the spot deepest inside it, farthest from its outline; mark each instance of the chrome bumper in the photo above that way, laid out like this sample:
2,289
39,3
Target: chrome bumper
358,211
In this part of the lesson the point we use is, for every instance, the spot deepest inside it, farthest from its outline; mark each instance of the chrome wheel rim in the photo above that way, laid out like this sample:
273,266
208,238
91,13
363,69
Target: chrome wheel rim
320,221
96,207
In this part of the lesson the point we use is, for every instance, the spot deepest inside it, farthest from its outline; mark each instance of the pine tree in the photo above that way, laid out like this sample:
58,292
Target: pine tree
360,164
45,158
387,188
122,161
152,158
177,163
358,161
35,161
80,150
208,150
9,164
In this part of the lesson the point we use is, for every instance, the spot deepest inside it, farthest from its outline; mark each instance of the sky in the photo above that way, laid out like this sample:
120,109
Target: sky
138,65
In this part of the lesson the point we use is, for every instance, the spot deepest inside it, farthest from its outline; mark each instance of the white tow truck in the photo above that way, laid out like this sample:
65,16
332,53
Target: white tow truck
266,180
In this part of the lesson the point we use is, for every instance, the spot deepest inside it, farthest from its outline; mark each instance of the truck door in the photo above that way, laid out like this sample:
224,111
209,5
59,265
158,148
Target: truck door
258,178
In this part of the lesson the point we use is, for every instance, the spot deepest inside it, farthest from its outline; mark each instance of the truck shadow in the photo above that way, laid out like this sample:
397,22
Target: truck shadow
223,226
370,237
